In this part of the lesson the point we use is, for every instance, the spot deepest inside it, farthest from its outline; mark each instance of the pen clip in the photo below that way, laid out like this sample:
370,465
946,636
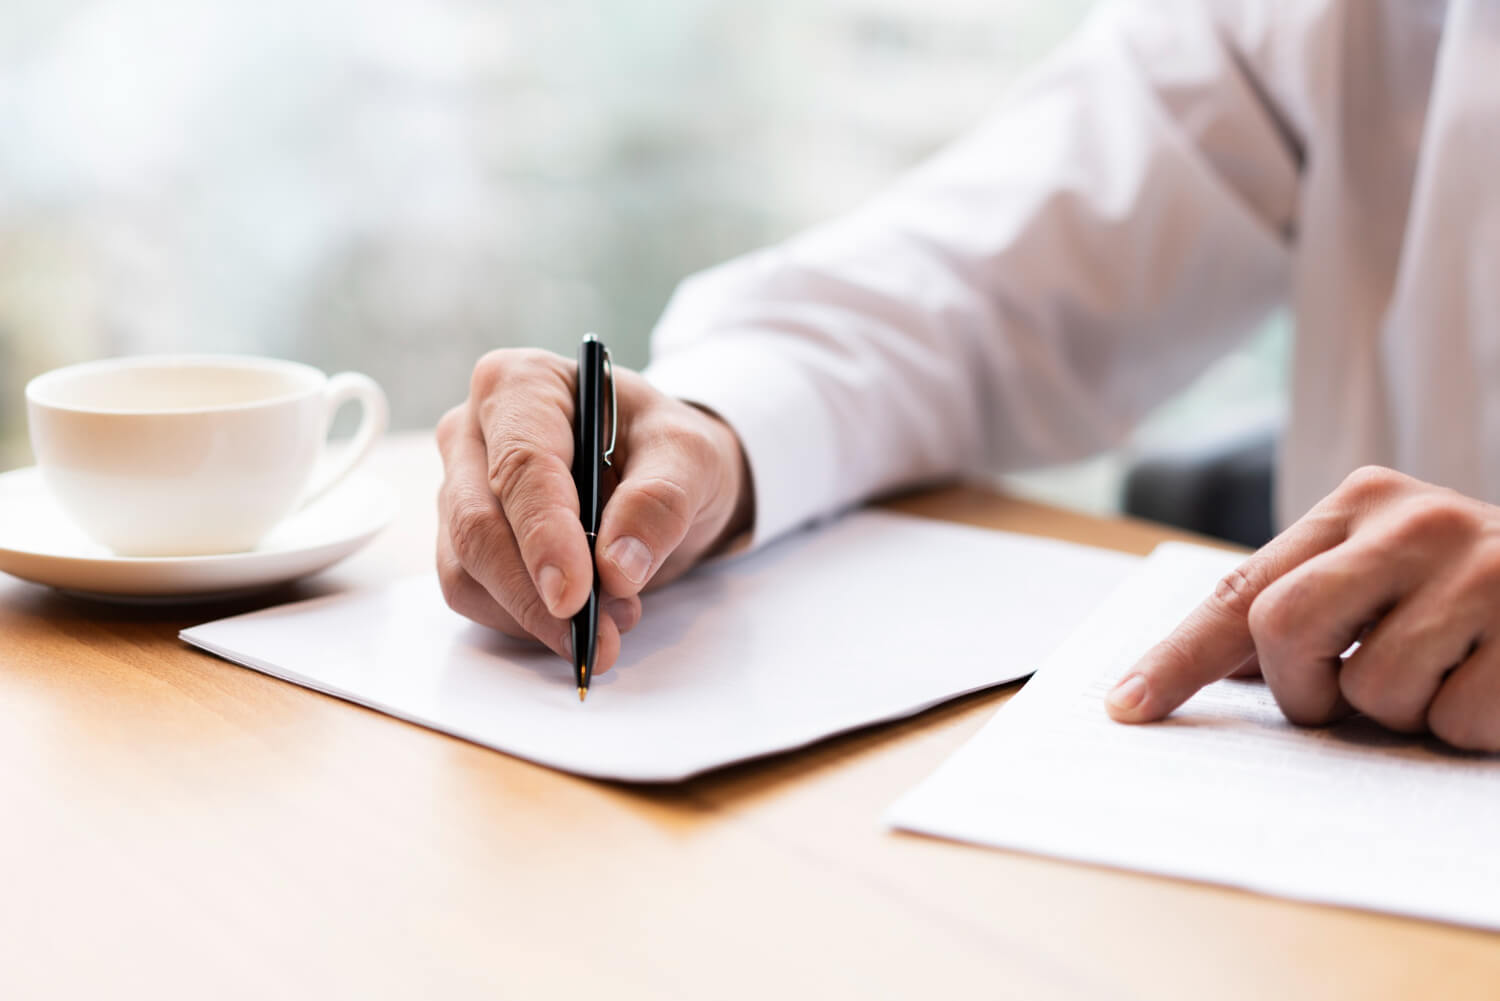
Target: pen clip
614,406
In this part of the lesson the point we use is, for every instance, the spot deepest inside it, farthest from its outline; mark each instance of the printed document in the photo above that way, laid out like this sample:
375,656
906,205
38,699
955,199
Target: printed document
1225,790
872,617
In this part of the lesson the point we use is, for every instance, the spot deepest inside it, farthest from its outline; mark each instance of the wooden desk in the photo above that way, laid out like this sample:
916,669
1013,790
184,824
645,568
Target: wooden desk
174,826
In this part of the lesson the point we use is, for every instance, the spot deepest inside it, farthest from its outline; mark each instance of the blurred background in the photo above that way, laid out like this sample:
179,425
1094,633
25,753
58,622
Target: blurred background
398,186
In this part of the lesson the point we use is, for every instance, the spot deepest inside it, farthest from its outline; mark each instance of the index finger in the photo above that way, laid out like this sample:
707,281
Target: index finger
1214,640
523,402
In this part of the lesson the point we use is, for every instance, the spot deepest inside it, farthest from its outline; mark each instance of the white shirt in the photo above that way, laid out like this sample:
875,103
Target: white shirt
1132,211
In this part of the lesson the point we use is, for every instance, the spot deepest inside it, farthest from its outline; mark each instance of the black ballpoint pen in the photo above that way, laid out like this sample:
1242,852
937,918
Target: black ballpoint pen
590,456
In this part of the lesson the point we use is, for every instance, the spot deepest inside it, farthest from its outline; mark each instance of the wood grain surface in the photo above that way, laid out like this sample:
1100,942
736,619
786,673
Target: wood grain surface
172,826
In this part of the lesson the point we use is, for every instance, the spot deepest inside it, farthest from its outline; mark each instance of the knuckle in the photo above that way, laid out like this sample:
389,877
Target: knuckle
510,462
1235,593
530,483
532,533
489,370
1437,517
528,364
667,503
1292,605
1368,483
1434,523
471,523
1272,615
499,368
533,360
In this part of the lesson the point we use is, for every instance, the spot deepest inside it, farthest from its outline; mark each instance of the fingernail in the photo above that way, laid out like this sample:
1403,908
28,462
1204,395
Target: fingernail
550,580
632,557
1129,693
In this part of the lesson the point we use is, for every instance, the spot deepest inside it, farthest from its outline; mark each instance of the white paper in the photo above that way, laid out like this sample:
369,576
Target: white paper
1225,790
873,617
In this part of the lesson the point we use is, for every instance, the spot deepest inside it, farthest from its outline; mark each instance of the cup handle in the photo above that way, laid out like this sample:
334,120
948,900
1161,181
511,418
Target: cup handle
341,389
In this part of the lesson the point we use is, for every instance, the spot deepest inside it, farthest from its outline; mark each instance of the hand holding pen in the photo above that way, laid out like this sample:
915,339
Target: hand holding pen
512,553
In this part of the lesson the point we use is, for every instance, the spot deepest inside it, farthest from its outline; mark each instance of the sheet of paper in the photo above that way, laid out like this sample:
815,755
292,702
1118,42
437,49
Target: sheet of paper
870,618
1225,790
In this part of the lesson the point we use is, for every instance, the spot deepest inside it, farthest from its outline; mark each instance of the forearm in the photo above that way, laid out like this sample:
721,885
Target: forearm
1020,299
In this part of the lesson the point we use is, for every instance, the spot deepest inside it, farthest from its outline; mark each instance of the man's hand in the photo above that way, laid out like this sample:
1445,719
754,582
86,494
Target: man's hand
511,551
1410,570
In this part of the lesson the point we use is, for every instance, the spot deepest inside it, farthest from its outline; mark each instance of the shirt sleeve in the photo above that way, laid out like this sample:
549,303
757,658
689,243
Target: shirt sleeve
1122,219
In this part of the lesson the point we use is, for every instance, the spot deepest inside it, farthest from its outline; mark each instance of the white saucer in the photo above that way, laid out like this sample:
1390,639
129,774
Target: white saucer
38,543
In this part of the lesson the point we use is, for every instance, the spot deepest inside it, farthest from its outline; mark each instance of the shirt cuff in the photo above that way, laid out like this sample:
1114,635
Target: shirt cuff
752,383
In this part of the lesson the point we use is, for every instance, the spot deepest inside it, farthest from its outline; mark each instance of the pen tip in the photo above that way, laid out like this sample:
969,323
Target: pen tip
582,693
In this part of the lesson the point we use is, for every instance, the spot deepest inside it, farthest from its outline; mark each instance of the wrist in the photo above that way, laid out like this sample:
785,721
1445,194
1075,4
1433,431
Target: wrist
739,488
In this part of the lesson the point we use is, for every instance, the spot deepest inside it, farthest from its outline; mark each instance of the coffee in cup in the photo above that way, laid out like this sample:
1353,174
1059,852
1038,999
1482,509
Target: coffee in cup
192,454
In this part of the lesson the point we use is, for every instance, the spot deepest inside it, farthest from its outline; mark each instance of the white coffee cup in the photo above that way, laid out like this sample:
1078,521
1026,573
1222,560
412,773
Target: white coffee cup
186,455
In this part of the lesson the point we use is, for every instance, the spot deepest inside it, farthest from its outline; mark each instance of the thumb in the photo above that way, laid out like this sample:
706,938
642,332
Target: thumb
661,491
1214,641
